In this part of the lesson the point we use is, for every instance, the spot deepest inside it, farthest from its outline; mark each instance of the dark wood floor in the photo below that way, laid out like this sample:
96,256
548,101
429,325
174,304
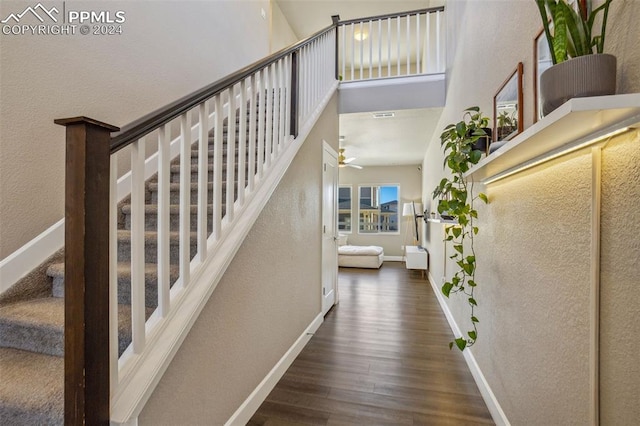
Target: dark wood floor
381,357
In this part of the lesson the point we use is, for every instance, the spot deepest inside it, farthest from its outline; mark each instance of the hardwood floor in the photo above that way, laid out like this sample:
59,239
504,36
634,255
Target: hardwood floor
381,357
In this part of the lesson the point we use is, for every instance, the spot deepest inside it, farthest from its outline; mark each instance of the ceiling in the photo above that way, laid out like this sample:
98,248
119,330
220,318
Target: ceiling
400,140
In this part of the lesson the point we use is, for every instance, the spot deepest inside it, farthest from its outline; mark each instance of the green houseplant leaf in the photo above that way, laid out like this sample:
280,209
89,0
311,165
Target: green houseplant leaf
456,198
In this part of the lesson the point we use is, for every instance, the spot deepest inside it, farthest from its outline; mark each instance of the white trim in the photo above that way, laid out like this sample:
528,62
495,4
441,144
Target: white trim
143,372
248,408
490,399
24,260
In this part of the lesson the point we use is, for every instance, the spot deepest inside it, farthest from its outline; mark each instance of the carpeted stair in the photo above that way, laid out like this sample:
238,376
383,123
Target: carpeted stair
32,327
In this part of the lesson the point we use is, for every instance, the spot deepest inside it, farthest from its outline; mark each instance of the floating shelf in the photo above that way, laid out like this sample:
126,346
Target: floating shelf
441,220
578,123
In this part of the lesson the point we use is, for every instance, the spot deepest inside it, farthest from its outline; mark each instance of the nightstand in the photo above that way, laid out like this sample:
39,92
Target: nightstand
417,258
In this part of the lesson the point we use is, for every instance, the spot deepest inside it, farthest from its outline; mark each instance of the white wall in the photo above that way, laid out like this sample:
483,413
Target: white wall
408,177
281,33
534,238
167,50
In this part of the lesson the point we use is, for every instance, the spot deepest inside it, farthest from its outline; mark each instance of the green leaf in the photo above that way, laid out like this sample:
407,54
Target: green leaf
461,129
446,288
458,248
450,345
456,231
474,319
472,335
475,230
475,156
468,268
461,343
472,301
471,259
483,197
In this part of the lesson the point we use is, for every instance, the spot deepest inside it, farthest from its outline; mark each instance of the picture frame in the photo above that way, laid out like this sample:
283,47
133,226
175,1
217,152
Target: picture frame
541,62
508,107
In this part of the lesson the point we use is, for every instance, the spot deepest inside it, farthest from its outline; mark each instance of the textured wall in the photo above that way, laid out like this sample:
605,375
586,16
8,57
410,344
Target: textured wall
266,299
281,33
620,279
167,50
408,177
535,236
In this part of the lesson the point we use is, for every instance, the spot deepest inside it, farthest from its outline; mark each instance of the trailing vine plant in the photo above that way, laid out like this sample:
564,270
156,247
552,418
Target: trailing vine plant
456,198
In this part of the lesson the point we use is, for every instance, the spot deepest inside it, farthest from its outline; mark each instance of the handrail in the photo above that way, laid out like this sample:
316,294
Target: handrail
148,123
392,15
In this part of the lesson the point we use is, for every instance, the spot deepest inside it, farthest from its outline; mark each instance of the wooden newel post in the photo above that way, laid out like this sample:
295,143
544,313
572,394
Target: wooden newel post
86,280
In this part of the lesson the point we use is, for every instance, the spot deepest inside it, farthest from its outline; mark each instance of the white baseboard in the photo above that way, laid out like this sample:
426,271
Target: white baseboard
29,256
260,393
490,399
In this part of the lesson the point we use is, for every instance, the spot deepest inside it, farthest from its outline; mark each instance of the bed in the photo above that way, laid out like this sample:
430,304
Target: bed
359,256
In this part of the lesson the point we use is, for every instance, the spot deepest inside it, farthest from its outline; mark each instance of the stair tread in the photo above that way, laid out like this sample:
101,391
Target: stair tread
124,269
124,234
42,312
32,388
173,208
175,186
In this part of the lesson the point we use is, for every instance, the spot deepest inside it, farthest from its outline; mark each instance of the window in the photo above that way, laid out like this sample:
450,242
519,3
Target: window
344,208
378,207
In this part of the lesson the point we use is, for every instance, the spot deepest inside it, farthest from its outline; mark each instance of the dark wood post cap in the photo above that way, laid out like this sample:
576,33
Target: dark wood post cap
335,19
86,120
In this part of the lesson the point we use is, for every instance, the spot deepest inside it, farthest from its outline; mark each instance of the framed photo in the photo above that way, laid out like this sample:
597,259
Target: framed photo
507,107
541,61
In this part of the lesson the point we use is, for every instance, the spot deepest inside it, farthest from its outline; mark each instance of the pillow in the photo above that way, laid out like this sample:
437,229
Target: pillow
342,240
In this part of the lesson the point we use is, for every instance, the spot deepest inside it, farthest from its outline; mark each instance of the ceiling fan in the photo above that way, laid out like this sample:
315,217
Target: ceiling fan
346,162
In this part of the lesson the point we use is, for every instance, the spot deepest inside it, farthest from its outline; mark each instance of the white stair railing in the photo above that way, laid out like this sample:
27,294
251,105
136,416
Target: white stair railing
396,45
218,155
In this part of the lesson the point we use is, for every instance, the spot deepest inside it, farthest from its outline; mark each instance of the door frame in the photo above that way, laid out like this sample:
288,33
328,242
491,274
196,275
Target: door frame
329,154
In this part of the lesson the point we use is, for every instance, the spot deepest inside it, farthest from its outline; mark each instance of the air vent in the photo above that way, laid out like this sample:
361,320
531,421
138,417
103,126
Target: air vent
384,114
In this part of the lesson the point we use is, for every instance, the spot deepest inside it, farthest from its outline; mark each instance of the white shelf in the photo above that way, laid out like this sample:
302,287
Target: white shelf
577,123
441,220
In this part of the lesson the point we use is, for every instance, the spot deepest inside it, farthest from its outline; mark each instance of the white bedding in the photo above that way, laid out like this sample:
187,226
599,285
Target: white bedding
360,250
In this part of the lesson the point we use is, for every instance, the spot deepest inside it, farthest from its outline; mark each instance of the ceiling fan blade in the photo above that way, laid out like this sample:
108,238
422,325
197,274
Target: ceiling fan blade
355,166
348,160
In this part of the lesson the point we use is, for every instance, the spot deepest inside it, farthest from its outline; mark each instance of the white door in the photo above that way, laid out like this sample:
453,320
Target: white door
329,228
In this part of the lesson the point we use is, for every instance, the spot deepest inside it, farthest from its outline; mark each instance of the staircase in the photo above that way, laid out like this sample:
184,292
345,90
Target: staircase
32,330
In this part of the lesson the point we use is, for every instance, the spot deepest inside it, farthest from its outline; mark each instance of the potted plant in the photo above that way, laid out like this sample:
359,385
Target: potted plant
576,50
456,198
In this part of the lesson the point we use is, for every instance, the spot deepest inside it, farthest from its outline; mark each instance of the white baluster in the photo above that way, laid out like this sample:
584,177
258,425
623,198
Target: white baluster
269,117
185,199
418,43
379,48
438,68
353,51
203,175
288,93
388,47
370,49
252,134
361,52
261,122
242,143
427,43
137,245
113,272
217,166
398,47
282,95
343,55
276,108
164,227
408,47
231,155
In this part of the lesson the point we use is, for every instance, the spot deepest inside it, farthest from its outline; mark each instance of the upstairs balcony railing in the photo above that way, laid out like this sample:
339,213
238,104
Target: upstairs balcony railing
138,248
396,45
